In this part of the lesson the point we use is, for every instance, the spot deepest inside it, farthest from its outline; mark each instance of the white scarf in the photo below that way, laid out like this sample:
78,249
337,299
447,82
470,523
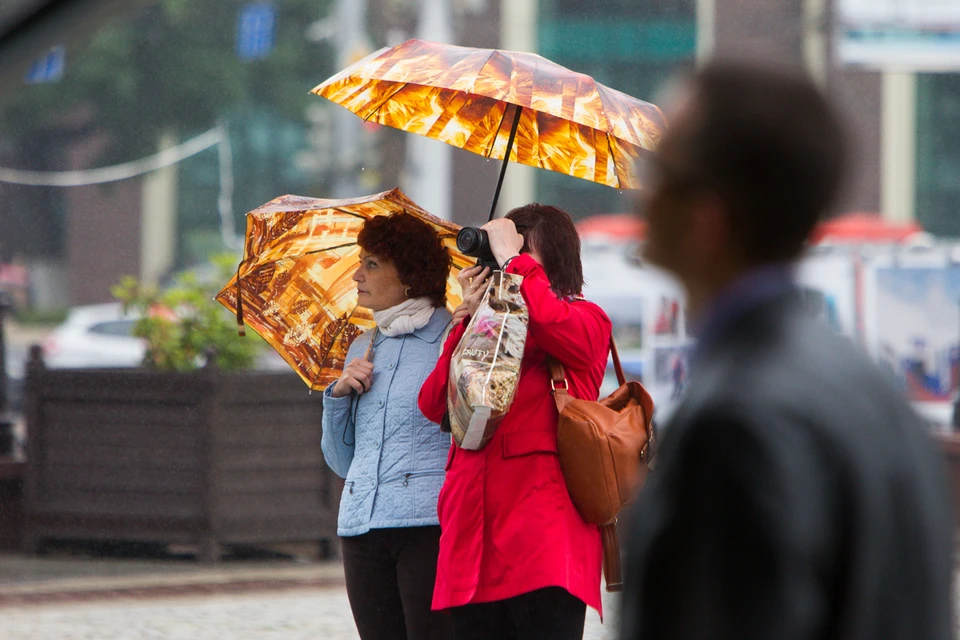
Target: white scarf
406,317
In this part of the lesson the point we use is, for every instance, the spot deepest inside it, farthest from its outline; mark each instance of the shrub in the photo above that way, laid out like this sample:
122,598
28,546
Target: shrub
182,322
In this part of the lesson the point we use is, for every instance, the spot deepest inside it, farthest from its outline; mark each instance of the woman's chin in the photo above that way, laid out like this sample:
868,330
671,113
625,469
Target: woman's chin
364,302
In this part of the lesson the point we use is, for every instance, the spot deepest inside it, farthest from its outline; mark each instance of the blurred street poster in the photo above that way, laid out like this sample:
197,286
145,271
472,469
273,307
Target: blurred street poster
647,308
912,323
828,283
911,34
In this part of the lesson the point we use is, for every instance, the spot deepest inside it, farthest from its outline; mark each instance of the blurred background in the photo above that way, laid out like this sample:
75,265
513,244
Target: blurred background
135,136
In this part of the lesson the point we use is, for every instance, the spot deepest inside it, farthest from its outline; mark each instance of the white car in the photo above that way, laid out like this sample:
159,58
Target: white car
100,336
97,335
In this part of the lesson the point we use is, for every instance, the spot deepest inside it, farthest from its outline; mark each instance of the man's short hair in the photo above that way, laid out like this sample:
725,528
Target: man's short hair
769,144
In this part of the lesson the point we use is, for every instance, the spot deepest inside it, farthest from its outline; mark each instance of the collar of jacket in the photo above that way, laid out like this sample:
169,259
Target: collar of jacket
748,292
429,333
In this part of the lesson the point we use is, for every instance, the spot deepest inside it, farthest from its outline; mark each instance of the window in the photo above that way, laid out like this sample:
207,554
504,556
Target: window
116,328
938,153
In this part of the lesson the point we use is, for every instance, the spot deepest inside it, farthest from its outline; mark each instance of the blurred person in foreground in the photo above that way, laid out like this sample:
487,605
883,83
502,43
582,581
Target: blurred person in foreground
374,436
796,494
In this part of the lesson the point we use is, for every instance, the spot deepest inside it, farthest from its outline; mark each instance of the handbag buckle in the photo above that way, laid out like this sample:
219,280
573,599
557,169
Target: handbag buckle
553,385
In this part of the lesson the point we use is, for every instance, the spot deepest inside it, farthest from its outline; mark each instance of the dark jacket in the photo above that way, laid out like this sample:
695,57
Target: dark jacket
796,495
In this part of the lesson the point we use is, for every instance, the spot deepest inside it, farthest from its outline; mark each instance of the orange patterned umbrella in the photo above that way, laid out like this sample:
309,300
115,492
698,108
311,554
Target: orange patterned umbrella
481,99
294,286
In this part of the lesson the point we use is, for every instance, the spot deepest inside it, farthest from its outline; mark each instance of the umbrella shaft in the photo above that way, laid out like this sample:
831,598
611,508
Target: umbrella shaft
506,159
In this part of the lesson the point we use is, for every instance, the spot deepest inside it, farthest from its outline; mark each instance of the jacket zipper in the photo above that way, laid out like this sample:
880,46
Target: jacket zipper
418,474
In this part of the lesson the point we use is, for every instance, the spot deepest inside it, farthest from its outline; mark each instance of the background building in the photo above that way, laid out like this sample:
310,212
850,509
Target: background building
174,71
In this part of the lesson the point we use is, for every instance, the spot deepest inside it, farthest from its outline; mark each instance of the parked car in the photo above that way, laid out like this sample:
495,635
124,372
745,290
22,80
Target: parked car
98,335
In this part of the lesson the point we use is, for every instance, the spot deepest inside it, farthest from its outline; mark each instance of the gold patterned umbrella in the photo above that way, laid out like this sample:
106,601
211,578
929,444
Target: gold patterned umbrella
294,286
484,99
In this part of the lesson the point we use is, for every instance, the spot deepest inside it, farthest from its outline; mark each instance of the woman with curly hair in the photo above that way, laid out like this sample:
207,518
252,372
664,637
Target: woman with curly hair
376,438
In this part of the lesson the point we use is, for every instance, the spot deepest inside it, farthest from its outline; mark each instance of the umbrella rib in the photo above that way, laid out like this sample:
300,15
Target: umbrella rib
349,213
310,253
385,101
307,253
333,341
613,159
493,142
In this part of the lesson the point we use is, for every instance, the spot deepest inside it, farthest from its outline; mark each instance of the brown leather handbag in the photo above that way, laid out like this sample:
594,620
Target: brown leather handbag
603,450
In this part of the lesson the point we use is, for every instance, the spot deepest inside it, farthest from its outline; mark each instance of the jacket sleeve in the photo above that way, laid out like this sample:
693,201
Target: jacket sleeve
339,433
433,393
576,334
739,543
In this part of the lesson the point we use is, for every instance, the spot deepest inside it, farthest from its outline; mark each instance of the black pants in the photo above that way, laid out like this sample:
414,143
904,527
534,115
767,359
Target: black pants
390,575
547,614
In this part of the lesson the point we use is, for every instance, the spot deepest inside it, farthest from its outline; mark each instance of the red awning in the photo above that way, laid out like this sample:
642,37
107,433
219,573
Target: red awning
863,227
851,227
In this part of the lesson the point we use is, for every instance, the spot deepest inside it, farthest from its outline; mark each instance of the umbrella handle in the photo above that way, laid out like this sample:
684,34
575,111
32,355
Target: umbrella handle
241,330
368,354
506,159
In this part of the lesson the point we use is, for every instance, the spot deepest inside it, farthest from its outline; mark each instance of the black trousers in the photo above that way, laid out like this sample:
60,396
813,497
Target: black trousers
544,614
390,575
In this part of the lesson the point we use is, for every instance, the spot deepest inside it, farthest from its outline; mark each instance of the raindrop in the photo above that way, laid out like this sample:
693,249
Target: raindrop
363,168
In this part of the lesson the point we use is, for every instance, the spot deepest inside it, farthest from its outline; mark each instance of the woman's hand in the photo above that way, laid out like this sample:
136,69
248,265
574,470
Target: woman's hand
357,377
505,241
473,282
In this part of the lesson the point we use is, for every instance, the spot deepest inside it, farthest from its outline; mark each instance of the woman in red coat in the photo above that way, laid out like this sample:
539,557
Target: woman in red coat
516,559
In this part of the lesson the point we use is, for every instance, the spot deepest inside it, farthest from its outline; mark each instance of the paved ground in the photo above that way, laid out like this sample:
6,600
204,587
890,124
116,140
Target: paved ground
74,597
289,615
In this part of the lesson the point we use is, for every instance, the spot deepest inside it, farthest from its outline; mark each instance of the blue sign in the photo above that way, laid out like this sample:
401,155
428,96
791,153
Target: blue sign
255,31
48,68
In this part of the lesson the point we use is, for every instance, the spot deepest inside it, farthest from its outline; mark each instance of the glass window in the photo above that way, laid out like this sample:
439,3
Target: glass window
119,328
634,47
649,9
938,153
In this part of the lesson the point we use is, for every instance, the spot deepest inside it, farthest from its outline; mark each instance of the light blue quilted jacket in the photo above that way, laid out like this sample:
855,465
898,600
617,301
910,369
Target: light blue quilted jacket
391,456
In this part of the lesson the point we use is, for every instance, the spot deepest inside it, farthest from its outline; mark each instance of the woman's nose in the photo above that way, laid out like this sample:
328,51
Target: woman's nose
357,277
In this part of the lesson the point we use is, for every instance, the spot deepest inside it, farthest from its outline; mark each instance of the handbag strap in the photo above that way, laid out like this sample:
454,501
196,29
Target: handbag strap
611,556
558,375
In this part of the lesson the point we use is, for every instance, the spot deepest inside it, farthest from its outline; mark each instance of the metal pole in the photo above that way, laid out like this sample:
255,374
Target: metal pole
5,306
955,418
6,425
352,45
429,162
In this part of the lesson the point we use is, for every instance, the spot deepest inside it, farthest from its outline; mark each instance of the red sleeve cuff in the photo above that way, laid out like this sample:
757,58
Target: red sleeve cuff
523,265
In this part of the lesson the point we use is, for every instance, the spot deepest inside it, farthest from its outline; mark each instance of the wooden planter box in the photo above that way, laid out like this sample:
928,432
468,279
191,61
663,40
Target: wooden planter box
206,458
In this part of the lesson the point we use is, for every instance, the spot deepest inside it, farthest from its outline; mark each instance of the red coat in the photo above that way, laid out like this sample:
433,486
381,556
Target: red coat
508,525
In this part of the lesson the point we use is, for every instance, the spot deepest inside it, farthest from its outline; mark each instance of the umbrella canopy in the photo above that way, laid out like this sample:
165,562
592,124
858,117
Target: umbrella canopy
480,99
295,284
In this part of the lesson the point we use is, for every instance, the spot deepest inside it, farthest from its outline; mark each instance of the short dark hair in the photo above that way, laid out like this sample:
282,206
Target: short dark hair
422,262
551,233
769,144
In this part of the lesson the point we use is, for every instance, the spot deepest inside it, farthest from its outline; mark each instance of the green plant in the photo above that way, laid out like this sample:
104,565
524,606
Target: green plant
182,322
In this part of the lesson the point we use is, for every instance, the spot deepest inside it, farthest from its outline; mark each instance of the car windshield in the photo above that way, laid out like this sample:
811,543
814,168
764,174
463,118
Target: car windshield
118,328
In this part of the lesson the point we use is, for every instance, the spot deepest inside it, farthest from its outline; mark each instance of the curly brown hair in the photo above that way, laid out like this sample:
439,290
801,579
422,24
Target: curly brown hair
422,262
